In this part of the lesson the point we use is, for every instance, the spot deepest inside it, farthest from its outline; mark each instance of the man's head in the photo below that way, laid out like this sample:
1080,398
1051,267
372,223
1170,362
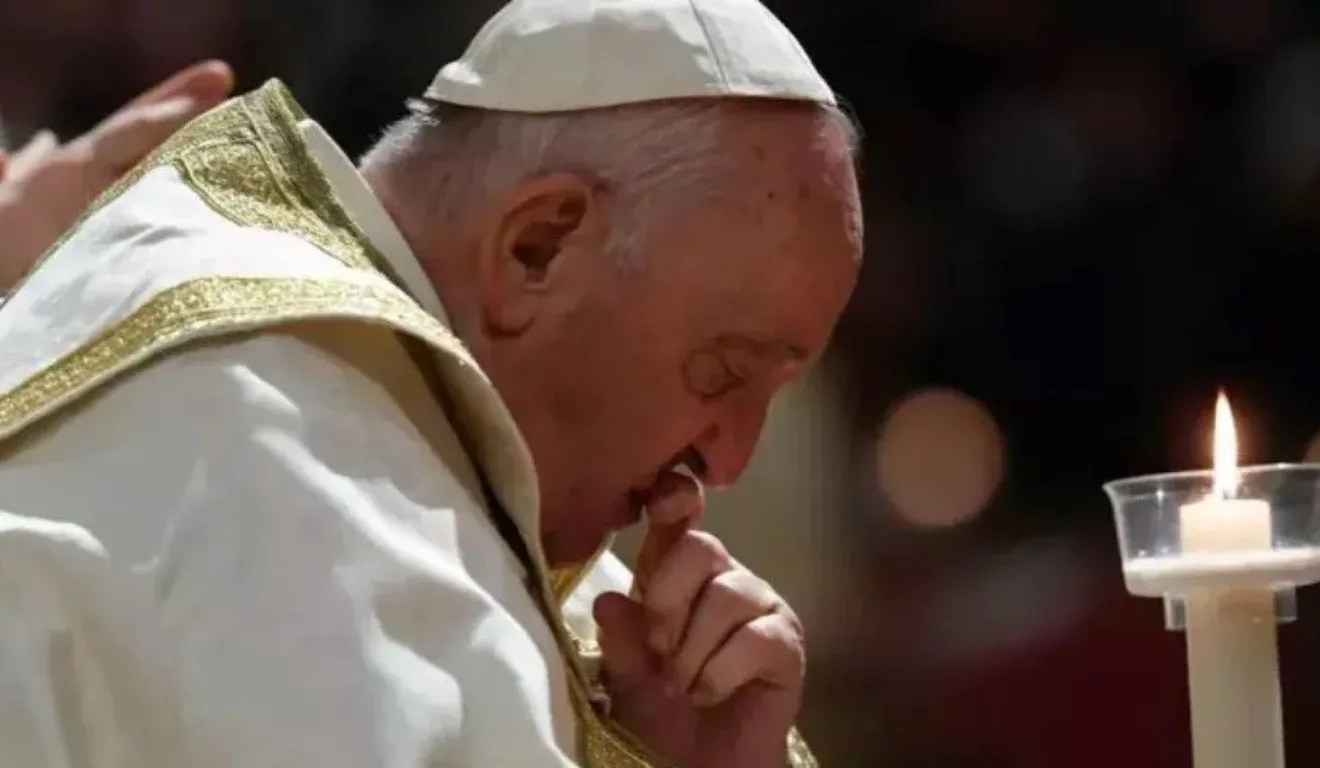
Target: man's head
637,281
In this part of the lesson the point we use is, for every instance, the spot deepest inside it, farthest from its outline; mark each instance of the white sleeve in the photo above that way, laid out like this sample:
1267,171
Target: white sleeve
247,556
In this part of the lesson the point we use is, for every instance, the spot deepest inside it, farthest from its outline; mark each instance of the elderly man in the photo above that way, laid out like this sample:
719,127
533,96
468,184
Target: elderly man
310,466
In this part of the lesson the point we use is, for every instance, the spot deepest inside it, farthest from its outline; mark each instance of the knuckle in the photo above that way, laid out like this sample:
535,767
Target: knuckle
729,585
717,680
746,588
669,617
688,669
662,602
737,592
711,548
792,621
75,166
788,648
669,611
777,637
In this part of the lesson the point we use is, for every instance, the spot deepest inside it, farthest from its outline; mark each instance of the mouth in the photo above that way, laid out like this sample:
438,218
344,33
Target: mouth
639,498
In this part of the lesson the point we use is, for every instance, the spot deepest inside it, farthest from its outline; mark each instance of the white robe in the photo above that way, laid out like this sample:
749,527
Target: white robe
260,550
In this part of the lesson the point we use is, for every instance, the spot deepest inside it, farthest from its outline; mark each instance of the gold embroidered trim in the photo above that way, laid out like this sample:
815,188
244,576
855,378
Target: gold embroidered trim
566,579
799,754
246,161
207,308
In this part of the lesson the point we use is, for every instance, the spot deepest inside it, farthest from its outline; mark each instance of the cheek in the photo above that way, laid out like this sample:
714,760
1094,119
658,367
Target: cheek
751,416
627,381
635,414
752,410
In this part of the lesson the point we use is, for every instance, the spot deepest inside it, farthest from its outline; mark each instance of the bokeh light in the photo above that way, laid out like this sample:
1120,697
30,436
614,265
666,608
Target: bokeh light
939,458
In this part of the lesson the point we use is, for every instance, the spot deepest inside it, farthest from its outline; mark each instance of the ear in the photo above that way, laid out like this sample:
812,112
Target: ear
536,233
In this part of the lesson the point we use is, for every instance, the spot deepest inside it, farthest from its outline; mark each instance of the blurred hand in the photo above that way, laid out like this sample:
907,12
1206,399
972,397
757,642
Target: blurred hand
705,663
44,187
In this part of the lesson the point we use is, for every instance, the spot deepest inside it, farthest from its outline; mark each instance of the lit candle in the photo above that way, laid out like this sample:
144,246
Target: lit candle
1223,523
1232,652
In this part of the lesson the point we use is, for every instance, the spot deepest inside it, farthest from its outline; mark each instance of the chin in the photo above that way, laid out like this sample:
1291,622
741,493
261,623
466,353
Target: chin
572,548
569,547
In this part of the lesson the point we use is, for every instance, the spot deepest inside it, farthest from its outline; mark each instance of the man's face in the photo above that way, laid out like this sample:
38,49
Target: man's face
616,377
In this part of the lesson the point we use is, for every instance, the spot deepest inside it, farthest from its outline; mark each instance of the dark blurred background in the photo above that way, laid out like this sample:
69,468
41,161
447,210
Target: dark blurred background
1084,218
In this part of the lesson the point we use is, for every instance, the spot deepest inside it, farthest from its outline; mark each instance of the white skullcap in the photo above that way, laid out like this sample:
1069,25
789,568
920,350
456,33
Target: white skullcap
566,55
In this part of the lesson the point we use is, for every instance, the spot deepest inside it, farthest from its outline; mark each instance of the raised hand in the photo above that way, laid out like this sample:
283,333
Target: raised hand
45,186
705,662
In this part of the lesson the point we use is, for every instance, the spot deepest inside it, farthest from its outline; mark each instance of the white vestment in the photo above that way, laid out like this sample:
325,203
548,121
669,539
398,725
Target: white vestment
265,548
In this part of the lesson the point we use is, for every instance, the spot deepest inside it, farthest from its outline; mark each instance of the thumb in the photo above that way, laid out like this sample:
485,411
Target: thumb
625,658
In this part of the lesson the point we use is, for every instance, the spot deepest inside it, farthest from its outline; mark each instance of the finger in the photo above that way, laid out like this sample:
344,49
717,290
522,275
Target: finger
4,163
621,625
37,149
674,506
767,650
118,145
205,81
127,136
676,498
729,601
697,558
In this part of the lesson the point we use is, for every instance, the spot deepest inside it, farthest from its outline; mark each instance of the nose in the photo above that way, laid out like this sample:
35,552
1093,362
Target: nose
729,443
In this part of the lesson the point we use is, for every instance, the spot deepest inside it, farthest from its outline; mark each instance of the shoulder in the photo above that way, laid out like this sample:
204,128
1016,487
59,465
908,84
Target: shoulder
289,379
147,268
280,480
215,402
305,416
346,397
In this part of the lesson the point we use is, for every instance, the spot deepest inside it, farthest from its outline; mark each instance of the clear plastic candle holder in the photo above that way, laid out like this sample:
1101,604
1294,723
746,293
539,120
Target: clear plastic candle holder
1179,536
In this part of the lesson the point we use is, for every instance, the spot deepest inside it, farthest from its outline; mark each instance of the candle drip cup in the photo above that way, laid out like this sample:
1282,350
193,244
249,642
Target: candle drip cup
1177,538
1227,562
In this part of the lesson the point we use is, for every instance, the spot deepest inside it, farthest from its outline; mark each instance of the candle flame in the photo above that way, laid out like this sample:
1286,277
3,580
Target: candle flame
1225,450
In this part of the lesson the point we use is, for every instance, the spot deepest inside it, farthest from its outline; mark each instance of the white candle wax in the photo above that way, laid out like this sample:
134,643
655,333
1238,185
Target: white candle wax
1225,525
1232,651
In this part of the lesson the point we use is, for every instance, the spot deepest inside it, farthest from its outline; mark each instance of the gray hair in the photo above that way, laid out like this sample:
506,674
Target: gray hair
653,159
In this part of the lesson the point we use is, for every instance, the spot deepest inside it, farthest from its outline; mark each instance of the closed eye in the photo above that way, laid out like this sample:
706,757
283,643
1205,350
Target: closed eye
710,376
731,362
